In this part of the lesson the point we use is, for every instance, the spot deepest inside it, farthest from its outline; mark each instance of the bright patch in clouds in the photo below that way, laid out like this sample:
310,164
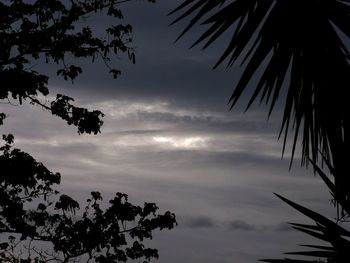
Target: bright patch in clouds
187,143
119,109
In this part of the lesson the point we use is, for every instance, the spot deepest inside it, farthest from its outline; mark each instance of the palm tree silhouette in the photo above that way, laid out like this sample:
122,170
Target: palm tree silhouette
301,48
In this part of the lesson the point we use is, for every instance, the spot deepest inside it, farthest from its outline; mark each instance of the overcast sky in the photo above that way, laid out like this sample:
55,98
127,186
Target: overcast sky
169,138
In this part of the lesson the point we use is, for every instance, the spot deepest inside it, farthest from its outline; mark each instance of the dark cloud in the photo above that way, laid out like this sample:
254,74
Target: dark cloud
245,226
209,123
201,222
139,132
163,70
283,227
241,225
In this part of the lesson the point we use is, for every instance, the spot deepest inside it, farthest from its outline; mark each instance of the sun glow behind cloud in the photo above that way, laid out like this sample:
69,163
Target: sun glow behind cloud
186,143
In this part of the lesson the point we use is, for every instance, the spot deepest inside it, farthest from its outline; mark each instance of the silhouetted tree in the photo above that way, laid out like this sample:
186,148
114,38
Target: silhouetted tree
32,212
48,31
300,47
37,223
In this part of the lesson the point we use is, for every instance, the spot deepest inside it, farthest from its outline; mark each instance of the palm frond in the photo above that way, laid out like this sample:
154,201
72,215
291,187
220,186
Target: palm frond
204,6
324,230
295,42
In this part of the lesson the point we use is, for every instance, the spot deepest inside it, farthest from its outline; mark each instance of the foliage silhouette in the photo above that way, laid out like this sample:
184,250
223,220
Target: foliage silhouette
32,211
299,46
48,30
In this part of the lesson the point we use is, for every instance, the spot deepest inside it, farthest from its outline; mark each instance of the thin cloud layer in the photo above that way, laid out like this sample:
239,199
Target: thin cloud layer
221,178
201,222
241,225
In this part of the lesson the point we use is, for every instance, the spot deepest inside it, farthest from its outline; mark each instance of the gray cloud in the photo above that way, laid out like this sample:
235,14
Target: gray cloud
201,222
241,225
139,132
283,227
163,70
210,123
235,225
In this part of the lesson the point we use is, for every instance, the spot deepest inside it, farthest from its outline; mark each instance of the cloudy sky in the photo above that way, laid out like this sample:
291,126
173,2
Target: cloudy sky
169,138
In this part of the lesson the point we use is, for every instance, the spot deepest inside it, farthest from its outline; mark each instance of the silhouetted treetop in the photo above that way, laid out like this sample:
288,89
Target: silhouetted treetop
49,31
32,210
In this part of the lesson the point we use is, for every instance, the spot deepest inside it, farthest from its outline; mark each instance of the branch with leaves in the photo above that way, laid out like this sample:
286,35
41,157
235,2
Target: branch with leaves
50,31
37,223
32,211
